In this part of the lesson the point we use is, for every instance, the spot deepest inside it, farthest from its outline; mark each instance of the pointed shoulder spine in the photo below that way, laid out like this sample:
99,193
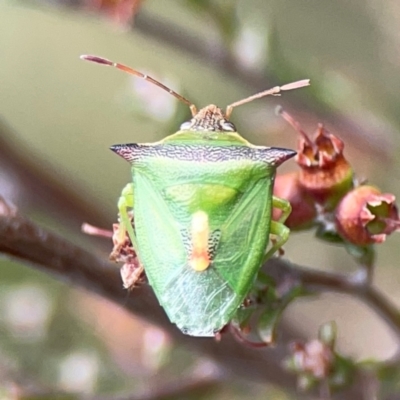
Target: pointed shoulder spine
129,152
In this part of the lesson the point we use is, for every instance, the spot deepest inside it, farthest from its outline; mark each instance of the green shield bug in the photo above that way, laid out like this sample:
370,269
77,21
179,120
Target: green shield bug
202,201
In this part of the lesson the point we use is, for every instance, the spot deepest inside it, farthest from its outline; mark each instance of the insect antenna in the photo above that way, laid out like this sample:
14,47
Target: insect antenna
275,91
132,71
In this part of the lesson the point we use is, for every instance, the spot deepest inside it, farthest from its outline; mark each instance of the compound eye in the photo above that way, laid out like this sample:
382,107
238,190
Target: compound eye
186,125
228,126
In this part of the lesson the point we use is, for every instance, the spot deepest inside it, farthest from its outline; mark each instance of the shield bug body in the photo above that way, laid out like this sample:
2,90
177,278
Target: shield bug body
202,201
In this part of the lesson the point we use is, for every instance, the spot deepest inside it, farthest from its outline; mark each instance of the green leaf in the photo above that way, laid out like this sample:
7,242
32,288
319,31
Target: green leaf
271,315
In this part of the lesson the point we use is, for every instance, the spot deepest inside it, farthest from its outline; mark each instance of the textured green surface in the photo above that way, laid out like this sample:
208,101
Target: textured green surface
230,180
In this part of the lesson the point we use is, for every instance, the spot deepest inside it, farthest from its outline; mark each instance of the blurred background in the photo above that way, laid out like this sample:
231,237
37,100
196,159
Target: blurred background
59,115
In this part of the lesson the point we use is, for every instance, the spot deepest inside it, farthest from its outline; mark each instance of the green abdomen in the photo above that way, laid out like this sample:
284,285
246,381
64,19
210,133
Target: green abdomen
235,193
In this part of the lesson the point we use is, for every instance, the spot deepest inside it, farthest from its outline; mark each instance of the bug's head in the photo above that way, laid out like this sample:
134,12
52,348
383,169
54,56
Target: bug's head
210,118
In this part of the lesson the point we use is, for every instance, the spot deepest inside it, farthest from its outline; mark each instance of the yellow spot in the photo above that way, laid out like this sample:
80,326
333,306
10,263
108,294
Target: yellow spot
199,259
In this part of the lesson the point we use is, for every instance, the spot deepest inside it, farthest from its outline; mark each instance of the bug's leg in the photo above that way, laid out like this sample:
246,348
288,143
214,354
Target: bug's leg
124,239
278,228
125,203
284,206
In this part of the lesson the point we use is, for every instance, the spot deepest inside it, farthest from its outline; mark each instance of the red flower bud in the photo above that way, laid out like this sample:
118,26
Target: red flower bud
303,213
120,12
366,216
325,173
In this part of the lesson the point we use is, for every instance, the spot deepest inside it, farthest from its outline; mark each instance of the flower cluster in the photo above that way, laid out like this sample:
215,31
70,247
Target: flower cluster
325,193
119,12
132,272
316,363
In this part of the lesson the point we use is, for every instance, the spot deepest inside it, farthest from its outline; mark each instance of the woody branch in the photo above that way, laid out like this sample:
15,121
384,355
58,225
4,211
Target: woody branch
33,245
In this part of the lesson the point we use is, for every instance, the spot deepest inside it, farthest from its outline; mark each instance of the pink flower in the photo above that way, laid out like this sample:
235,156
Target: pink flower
365,216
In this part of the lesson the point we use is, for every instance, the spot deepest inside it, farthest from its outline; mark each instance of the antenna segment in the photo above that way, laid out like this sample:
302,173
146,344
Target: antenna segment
275,91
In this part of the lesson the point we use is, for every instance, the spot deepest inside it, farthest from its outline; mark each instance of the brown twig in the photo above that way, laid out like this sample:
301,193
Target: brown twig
21,238
37,185
200,381
344,284
33,245
203,378
320,282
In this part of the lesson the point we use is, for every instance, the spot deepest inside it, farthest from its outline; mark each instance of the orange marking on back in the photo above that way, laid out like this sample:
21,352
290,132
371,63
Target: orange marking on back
199,259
